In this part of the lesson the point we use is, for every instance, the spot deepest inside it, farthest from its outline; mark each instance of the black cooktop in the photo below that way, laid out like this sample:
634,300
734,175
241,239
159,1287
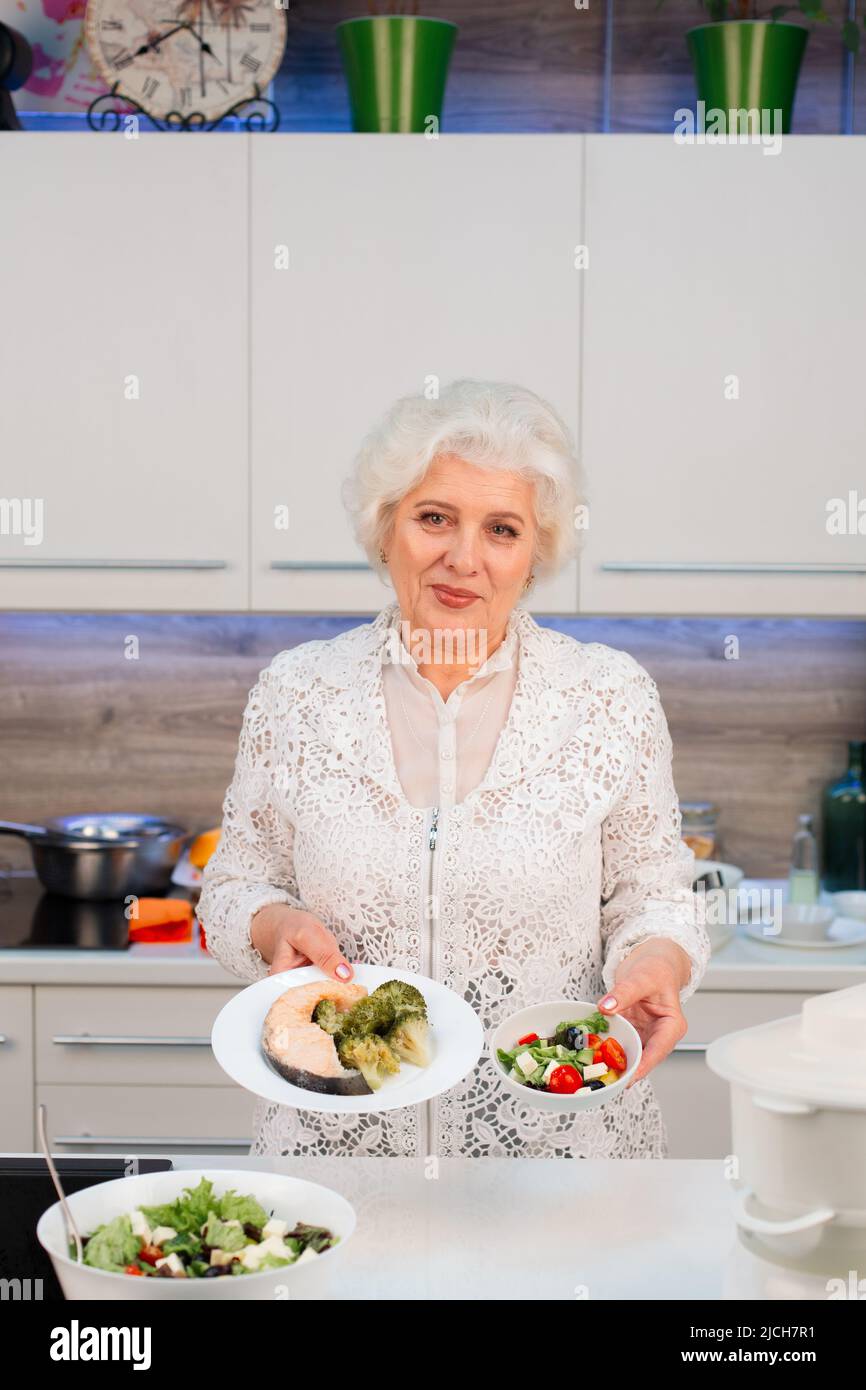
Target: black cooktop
31,918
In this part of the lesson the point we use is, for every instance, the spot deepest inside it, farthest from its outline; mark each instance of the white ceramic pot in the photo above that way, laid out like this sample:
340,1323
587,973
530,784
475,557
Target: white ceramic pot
292,1199
798,1113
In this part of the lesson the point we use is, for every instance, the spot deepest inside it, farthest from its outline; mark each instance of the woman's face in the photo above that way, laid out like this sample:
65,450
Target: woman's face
468,529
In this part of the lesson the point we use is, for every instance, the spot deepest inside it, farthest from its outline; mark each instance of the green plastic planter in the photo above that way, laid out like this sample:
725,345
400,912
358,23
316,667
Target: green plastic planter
748,63
396,66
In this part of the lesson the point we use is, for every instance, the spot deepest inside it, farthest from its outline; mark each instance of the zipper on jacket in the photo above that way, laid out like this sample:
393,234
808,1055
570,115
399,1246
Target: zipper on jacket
428,928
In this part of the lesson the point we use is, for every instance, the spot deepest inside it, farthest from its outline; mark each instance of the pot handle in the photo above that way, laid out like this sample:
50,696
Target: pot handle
760,1226
28,832
780,1105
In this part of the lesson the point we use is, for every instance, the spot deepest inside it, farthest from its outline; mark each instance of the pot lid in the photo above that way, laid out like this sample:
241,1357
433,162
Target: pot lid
818,1055
113,828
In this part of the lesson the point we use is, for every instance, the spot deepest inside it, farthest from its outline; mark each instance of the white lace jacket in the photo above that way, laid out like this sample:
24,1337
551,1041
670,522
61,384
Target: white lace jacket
564,857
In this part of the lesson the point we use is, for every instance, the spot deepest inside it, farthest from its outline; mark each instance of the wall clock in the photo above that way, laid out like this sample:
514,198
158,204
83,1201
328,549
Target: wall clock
189,61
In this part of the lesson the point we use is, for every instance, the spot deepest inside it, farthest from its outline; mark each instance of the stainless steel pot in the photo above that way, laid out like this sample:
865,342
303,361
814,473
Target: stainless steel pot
102,856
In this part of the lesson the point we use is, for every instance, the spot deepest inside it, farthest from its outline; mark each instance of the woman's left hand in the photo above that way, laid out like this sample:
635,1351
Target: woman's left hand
646,991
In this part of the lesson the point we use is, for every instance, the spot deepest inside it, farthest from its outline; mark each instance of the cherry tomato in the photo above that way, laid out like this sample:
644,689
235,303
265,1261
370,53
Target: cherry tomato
150,1254
593,1040
132,1269
565,1080
596,1056
530,1038
612,1053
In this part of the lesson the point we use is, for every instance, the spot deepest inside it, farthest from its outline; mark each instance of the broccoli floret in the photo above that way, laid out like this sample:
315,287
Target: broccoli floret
328,1016
369,1015
410,1039
371,1056
404,998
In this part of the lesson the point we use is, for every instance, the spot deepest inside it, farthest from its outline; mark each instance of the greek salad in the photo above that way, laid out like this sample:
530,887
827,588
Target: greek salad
576,1057
201,1236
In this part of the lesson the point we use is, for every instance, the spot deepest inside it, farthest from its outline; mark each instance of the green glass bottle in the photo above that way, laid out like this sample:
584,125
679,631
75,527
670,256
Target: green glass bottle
843,857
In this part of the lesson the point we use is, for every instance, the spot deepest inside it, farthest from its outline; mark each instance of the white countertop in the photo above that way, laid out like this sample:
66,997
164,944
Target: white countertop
740,964
552,1229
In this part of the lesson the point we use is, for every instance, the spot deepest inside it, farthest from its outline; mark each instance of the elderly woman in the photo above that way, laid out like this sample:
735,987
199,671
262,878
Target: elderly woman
456,790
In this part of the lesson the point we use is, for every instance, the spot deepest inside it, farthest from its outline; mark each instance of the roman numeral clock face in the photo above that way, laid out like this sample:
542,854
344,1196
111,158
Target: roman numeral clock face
186,55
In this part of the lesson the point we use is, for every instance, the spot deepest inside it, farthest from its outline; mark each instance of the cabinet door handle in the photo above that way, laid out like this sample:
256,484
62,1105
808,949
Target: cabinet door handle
690,1047
92,1141
731,567
320,565
28,564
122,1040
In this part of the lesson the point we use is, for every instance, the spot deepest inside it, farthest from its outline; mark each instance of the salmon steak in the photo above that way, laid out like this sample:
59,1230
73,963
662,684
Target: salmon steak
303,1052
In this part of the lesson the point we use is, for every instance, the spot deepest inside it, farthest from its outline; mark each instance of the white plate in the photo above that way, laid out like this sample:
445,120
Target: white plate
456,1042
542,1019
842,931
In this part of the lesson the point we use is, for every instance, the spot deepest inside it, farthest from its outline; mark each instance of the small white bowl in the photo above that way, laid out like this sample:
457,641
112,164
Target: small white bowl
542,1019
292,1199
803,921
851,903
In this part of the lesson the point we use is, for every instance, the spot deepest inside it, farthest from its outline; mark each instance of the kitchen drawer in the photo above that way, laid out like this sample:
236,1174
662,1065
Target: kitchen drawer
16,1068
127,1035
108,1119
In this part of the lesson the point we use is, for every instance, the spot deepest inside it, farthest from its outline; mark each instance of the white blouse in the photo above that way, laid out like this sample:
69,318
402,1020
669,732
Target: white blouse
533,885
442,748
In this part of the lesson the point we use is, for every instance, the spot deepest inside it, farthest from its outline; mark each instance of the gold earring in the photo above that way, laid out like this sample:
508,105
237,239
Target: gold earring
530,581
382,556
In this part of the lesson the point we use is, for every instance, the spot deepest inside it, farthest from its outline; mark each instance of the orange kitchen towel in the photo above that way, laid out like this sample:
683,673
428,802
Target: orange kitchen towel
162,919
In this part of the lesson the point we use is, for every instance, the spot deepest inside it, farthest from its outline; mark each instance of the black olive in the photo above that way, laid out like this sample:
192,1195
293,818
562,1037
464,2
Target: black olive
595,1085
252,1231
213,1270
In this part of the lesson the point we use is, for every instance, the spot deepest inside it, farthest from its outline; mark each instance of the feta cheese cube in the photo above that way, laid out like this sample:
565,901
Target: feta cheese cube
550,1069
162,1234
174,1263
221,1257
308,1254
138,1222
527,1063
275,1227
594,1070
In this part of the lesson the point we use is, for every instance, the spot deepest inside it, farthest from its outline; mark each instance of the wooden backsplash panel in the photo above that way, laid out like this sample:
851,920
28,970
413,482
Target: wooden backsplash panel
82,728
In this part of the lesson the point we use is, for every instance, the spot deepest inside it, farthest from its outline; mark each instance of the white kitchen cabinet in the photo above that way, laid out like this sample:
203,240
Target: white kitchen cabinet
695,1102
709,263
408,259
127,1035
16,1068
142,1119
123,370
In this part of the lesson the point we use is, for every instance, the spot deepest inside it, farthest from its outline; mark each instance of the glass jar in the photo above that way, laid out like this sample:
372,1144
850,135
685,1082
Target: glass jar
699,828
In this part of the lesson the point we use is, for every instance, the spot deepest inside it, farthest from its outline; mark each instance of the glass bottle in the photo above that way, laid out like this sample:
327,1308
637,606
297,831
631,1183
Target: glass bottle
843,839
803,875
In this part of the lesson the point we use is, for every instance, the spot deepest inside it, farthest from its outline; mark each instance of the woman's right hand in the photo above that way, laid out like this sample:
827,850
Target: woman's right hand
287,938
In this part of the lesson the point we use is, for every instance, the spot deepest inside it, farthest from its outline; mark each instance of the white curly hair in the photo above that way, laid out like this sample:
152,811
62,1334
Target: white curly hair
489,423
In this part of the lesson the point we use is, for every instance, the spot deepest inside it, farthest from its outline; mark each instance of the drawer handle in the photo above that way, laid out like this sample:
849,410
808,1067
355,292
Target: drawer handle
319,565
106,1040
90,1141
690,1047
730,567
26,564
